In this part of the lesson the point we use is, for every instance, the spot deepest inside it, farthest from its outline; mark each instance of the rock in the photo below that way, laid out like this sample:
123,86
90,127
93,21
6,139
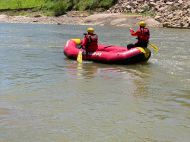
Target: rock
95,17
188,10
152,22
140,10
169,3
139,1
186,25
64,16
185,19
84,15
134,11
128,7
158,18
152,4
117,21
38,15
170,16
161,9
181,24
166,24
180,1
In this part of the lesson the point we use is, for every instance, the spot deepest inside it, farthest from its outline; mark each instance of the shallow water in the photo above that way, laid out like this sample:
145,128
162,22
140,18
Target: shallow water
46,97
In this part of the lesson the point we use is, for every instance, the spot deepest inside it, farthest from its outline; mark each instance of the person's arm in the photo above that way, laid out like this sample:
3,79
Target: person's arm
84,43
134,33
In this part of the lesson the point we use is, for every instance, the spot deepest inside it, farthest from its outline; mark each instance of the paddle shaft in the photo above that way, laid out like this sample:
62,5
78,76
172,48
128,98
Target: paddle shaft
87,49
154,47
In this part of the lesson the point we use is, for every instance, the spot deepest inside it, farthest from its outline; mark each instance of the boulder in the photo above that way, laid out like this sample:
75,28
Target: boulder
152,22
152,4
185,19
128,7
165,24
158,18
117,21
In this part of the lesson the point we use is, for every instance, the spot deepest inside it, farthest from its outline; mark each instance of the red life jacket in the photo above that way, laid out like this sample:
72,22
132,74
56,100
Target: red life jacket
92,39
145,35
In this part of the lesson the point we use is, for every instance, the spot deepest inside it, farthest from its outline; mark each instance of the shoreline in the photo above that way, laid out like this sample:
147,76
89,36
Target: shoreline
114,19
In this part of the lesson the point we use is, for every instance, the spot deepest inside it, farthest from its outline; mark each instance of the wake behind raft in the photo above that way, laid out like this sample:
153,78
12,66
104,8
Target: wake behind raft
107,54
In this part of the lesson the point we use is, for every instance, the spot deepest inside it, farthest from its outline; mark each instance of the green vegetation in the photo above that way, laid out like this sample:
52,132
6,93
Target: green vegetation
145,8
58,7
55,7
16,4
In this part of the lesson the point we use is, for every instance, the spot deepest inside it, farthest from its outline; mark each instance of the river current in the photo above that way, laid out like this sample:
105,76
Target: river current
46,97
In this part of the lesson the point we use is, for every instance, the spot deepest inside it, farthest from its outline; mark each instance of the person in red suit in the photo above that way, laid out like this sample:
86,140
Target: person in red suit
90,42
142,34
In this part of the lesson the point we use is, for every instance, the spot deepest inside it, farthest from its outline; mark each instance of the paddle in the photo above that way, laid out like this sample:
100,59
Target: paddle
79,57
154,47
108,46
87,49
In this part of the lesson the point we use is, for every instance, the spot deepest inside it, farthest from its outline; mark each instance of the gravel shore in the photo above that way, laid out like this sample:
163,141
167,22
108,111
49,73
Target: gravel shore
96,19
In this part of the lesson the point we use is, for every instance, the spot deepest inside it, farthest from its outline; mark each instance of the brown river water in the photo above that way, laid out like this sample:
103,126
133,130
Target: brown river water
45,97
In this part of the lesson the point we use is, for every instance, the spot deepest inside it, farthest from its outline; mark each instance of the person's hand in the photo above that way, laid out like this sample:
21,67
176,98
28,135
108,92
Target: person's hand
79,46
130,29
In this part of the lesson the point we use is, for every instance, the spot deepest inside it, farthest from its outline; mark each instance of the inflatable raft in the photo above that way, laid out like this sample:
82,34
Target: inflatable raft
109,54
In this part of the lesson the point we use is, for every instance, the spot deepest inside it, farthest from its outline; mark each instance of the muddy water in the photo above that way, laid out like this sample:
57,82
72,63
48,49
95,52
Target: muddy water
46,97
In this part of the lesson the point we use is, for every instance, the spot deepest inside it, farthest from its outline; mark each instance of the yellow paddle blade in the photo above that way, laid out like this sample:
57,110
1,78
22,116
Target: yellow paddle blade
154,47
79,57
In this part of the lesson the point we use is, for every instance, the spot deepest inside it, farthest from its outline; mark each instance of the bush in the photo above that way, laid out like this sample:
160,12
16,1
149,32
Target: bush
48,6
101,9
69,6
145,8
87,5
76,6
105,3
92,3
59,8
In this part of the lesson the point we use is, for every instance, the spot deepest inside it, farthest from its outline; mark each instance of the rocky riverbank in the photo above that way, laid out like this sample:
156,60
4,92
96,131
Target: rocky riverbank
112,19
175,13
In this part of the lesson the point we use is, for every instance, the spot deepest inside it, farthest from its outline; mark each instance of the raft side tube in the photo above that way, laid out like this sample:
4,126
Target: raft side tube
70,50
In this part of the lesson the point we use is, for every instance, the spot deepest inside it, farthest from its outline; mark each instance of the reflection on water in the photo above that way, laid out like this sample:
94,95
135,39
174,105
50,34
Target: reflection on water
79,69
133,77
46,97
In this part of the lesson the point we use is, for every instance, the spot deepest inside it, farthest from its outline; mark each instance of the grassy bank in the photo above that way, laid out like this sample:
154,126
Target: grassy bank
53,7
16,4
